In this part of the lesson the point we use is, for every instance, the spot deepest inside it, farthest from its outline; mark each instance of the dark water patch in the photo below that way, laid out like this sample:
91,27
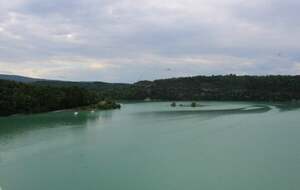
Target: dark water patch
20,124
289,106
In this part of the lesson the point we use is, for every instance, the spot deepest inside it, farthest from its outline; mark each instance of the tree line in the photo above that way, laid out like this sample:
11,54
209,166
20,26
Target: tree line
18,97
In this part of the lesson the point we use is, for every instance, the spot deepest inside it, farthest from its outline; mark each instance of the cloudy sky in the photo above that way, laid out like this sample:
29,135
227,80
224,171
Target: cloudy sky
130,40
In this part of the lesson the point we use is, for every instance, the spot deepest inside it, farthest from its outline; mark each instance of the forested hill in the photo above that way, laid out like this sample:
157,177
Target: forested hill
16,97
18,78
229,87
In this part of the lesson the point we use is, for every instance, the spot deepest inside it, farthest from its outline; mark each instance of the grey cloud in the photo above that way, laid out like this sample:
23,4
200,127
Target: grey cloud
273,13
133,35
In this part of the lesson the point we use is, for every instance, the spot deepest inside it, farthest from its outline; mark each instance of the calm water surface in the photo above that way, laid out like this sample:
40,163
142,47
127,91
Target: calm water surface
151,146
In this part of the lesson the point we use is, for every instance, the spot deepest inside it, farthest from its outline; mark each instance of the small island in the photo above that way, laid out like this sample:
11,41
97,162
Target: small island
193,105
103,105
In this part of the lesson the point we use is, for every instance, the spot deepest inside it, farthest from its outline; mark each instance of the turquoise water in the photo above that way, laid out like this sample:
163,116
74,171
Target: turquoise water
152,146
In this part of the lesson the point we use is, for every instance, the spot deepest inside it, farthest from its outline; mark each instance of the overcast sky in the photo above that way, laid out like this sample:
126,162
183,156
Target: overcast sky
130,40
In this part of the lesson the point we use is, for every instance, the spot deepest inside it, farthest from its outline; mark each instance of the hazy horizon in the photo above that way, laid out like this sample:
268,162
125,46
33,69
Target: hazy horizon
128,41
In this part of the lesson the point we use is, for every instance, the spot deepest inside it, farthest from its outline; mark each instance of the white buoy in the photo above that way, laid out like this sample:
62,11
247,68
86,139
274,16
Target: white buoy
93,111
75,113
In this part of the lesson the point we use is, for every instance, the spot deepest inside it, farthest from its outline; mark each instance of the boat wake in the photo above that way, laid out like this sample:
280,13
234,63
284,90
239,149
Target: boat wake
212,112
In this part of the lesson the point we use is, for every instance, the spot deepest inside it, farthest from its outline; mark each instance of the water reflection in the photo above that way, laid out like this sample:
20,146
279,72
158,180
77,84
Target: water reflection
106,115
23,123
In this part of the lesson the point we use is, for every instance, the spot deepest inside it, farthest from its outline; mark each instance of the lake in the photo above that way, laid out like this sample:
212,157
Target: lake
153,146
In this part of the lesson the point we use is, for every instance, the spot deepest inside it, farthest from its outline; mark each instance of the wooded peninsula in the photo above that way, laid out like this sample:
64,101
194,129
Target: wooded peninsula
33,96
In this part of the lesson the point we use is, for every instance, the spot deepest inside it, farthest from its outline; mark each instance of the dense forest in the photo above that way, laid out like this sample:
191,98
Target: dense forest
18,97
45,95
229,87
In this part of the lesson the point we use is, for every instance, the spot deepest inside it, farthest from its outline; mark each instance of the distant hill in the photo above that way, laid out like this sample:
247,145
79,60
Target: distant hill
92,85
17,78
